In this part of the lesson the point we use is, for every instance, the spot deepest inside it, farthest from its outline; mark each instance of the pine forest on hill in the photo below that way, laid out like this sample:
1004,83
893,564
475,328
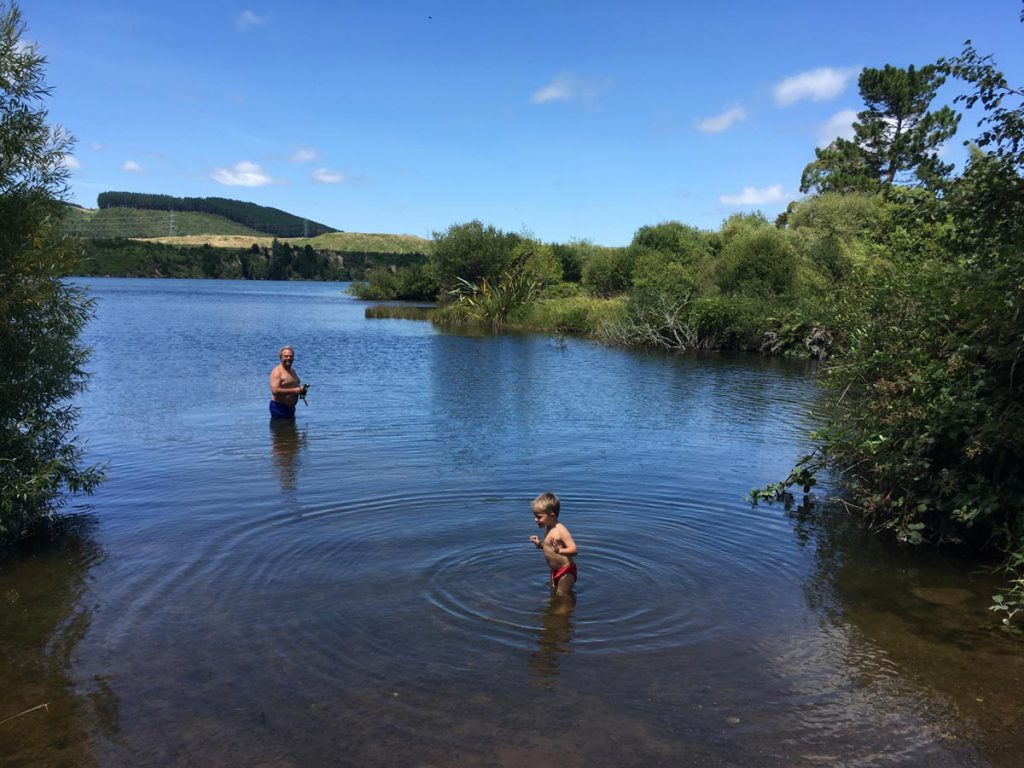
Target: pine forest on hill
271,221
111,223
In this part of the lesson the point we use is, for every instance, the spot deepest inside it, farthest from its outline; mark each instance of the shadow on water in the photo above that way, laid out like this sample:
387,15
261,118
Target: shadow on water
915,621
288,441
44,720
553,639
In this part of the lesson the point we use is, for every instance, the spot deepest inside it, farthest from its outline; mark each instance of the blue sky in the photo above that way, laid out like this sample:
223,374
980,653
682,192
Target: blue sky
565,119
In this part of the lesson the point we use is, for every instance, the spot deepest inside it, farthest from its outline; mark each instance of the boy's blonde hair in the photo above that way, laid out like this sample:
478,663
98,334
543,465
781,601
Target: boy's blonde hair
547,503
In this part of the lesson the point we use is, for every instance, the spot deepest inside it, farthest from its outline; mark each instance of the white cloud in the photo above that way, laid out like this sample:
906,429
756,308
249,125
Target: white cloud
753,196
839,126
243,174
131,166
559,89
95,146
568,87
71,162
722,122
817,85
248,19
304,155
327,176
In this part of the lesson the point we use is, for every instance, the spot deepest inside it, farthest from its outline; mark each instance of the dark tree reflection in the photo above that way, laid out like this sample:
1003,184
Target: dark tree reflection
914,622
45,718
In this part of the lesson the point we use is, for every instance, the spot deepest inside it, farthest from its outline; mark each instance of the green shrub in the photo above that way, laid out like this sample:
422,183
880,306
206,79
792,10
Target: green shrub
381,284
573,256
561,291
655,272
757,262
930,425
681,243
471,252
608,271
739,224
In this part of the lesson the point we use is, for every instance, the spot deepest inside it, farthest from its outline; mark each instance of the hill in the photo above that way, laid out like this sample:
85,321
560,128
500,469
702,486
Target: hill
338,242
112,223
270,221
137,240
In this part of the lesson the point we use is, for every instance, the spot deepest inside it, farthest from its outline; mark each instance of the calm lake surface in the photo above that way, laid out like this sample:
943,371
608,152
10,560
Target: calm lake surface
358,589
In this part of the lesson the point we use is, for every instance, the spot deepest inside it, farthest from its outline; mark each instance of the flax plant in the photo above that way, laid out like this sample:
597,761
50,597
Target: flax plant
491,304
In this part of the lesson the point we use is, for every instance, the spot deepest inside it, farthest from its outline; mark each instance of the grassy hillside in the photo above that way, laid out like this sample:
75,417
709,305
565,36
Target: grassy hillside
133,222
368,243
183,228
339,242
268,220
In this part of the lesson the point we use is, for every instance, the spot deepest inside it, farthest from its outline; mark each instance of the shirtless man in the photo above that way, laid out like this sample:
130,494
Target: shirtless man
285,389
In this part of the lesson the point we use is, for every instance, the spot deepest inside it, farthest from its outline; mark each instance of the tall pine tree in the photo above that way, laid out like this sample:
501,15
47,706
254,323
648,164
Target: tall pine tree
896,139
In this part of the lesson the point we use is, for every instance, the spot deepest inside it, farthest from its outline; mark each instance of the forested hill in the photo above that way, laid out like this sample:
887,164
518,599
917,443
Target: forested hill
271,221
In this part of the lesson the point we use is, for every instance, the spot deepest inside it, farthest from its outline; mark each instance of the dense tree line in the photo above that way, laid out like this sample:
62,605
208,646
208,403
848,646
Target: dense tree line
281,261
259,217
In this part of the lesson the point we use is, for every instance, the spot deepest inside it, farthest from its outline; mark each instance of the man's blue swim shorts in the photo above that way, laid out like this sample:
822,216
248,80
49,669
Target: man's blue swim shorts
281,410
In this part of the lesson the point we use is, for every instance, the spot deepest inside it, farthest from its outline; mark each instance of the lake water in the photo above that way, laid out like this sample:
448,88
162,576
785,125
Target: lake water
357,589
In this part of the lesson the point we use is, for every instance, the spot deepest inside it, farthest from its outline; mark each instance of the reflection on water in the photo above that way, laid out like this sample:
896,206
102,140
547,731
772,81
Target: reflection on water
553,639
288,440
42,619
911,624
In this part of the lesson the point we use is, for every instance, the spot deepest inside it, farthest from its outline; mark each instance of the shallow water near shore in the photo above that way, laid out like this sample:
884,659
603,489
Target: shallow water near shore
358,588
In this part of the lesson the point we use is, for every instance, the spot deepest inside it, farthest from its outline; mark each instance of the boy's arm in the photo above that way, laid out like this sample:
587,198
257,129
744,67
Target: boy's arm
563,543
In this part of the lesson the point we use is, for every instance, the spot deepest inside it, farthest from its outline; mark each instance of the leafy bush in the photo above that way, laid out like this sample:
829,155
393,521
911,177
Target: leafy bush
757,262
573,256
413,283
539,262
471,252
655,272
837,232
561,291
608,271
740,223
929,430
681,243
381,284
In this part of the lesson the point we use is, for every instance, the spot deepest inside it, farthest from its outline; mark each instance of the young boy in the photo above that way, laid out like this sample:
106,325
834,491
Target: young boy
558,546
